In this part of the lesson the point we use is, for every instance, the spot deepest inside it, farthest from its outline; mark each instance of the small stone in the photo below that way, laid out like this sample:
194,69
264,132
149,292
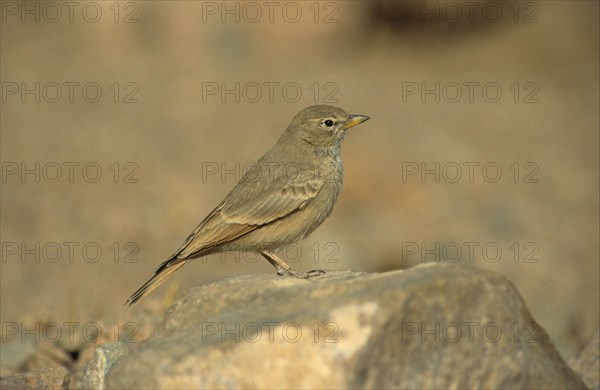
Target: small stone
104,357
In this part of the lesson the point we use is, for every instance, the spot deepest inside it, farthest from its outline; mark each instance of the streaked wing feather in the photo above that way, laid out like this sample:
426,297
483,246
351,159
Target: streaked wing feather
209,239
256,206
245,209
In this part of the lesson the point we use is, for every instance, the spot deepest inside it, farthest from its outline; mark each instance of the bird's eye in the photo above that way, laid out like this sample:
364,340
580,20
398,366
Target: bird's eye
328,122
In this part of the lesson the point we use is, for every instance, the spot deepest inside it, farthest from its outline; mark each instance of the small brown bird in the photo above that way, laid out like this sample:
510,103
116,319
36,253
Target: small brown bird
280,200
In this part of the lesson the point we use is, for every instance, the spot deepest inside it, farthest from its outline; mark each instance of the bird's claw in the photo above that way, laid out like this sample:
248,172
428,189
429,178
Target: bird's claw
281,271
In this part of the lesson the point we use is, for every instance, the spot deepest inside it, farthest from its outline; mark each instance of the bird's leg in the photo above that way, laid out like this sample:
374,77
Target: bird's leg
284,269
280,265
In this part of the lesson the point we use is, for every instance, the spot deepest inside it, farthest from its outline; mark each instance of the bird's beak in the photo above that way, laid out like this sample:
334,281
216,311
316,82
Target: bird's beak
354,120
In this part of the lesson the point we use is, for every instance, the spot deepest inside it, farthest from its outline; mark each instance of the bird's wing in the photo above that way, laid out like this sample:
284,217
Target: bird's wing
250,205
269,200
211,232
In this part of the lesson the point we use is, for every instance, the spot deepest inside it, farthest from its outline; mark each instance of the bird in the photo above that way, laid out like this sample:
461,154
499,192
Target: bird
280,200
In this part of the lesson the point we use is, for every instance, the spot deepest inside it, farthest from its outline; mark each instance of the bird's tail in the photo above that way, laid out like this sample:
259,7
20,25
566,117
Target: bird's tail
164,272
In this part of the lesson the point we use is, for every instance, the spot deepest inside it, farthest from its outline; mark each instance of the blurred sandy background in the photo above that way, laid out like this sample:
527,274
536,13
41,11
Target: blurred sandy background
362,58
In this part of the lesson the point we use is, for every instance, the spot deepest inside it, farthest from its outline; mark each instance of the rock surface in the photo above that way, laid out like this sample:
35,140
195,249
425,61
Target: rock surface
431,326
51,378
587,363
103,359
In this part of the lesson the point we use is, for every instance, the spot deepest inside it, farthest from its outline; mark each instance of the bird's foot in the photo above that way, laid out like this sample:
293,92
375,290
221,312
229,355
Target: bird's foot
300,275
315,273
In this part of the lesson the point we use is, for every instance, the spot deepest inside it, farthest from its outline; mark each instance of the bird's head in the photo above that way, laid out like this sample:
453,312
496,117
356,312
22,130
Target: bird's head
324,126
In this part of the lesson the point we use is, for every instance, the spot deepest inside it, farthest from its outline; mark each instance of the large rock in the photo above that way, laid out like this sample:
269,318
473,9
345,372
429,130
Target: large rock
432,326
